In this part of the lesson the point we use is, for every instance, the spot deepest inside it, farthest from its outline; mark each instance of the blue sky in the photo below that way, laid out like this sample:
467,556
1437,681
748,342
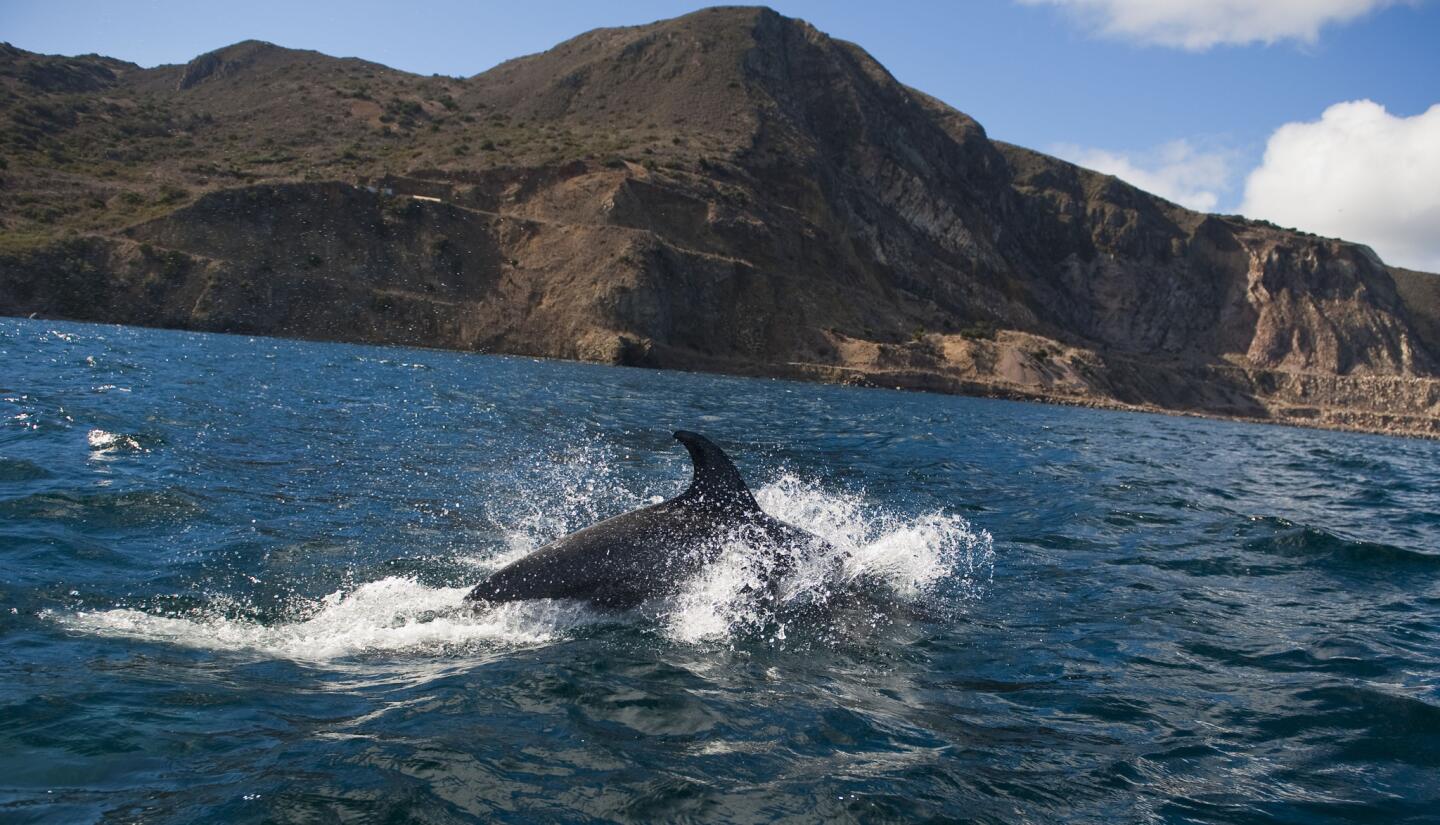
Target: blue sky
1180,96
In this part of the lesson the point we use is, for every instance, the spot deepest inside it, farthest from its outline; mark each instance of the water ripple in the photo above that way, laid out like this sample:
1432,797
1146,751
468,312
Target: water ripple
234,571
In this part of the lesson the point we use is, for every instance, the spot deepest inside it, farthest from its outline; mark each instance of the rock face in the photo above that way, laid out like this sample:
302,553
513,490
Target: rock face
222,63
731,190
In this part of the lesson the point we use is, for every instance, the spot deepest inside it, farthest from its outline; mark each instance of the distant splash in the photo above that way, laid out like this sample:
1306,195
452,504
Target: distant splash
892,560
101,441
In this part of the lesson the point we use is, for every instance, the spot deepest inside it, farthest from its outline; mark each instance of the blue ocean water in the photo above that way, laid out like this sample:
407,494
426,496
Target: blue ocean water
231,573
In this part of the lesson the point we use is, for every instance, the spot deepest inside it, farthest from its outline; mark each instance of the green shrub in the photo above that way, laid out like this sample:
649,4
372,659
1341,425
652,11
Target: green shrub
979,330
169,193
173,265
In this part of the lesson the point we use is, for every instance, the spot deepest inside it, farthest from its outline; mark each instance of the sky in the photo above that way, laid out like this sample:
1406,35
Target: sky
1310,113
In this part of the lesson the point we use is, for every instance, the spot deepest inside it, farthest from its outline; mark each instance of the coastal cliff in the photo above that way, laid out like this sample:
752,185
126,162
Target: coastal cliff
732,190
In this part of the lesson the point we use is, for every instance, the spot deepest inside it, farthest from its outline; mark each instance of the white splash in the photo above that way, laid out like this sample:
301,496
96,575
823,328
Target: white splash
389,615
898,558
560,493
937,560
103,442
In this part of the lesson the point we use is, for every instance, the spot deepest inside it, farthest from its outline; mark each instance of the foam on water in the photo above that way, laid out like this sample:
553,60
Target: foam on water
389,615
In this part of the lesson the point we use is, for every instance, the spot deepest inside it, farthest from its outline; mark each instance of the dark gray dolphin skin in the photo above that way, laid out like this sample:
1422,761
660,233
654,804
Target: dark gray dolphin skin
626,560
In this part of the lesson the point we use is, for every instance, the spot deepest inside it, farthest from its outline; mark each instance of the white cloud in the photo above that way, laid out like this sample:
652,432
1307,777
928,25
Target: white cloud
1175,171
1358,173
1200,24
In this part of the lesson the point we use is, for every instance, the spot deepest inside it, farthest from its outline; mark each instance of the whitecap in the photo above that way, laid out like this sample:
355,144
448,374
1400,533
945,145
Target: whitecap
104,442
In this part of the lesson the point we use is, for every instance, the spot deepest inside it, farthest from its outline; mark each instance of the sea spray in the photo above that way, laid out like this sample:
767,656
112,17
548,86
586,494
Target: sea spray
885,558
893,558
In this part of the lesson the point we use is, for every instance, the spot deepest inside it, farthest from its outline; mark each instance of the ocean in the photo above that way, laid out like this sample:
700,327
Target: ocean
231,573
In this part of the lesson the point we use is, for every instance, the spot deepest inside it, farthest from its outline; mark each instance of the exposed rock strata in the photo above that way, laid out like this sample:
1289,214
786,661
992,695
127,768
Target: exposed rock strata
785,207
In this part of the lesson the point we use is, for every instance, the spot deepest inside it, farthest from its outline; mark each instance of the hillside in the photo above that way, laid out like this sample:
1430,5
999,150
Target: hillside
731,190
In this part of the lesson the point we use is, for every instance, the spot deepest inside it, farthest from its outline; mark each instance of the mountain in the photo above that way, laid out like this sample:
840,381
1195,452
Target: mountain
731,190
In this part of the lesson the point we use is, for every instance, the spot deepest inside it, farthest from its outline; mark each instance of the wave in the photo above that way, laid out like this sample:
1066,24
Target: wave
1313,544
132,508
17,469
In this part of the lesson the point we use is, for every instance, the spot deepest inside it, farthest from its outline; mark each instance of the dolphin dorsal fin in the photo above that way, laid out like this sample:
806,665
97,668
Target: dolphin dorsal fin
716,479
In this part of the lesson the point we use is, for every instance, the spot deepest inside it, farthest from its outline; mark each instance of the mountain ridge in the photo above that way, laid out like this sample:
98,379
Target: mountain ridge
729,190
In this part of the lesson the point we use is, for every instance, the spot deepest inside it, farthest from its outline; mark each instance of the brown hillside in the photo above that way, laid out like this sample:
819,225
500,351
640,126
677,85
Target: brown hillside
729,190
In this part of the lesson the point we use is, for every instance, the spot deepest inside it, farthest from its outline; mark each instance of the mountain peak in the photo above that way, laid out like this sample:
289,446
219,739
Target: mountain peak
719,72
732,189
228,61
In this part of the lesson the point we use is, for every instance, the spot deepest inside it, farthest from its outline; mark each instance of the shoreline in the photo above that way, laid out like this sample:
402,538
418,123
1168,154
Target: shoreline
908,380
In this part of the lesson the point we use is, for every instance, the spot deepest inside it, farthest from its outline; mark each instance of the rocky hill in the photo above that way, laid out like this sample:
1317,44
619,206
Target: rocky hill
731,190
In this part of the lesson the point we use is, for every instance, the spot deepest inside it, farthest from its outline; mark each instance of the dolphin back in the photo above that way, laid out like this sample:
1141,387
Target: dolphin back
629,558
716,481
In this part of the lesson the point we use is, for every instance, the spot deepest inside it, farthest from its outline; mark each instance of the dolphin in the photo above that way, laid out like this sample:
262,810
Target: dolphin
631,558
